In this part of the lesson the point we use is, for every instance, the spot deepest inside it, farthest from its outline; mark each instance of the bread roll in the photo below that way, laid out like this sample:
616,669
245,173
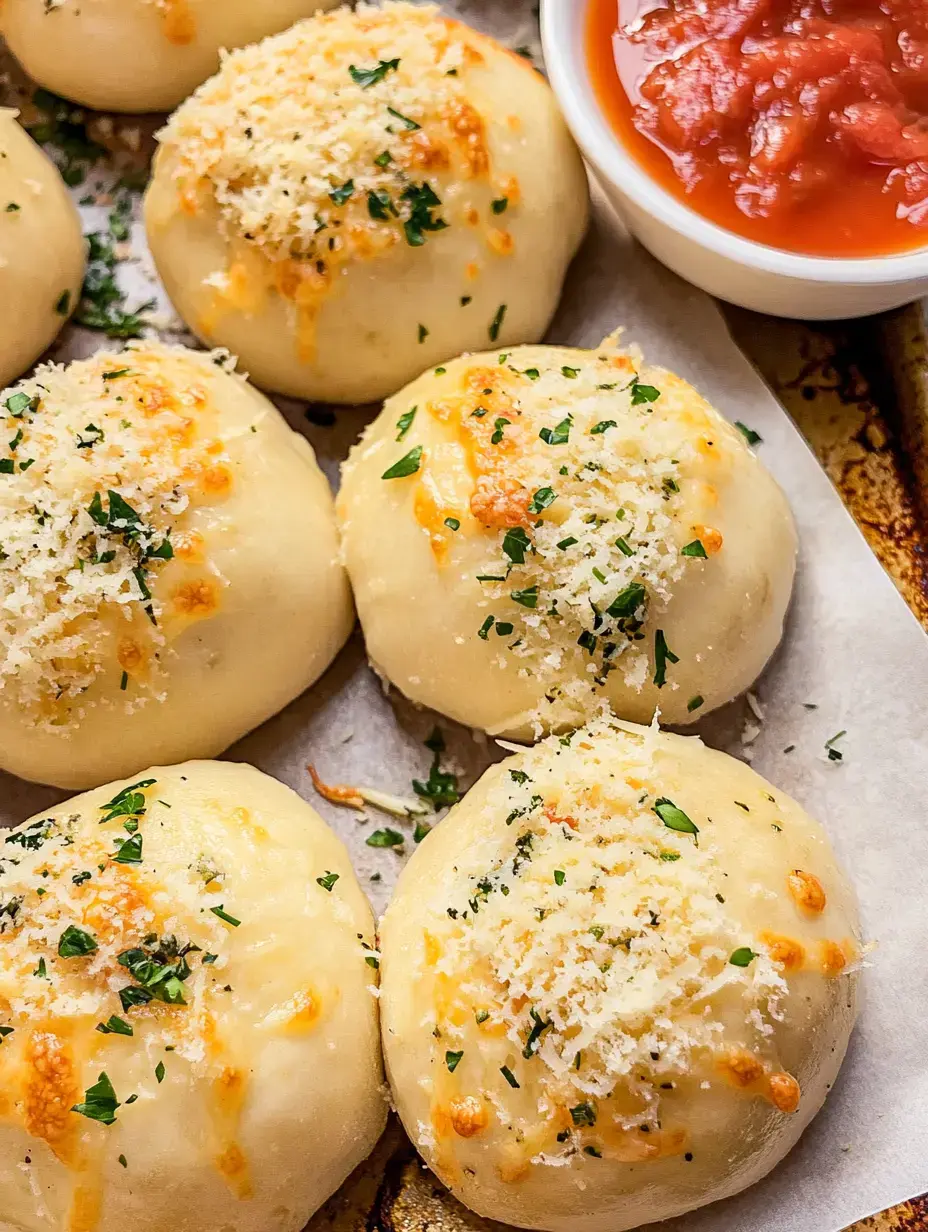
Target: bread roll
169,575
531,533
136,55
617,982
42,254
188,1023
364,195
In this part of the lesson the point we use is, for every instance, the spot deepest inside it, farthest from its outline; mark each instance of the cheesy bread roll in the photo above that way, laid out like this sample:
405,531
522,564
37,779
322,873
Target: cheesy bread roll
370,192
534,532
168,564
617,982
188,1020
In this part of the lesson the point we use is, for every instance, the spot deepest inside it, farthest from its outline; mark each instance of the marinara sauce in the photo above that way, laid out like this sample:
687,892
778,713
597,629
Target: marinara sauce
799,123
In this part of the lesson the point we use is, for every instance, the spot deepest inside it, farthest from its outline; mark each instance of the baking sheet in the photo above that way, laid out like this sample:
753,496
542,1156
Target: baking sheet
852,649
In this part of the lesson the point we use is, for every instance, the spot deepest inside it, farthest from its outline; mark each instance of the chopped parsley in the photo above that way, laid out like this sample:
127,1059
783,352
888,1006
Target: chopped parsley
159,969
453,1060
499,205
662,656
453,523
643,393
130,851
539,1026
694,703
558,435
408,124
509,1076
527,598
100,1102
159,1072
559,876
343,193
423,333
515,544
752,437
674,818
327,881
385,838
742,957
114,1026
541,499
694,549
497,322
407,465
441,787
102,304
583,1114
627,601
833,753
603,426
421,200
367,77
127,803
404,423
379,205
224,915
499,428
75,943
63,303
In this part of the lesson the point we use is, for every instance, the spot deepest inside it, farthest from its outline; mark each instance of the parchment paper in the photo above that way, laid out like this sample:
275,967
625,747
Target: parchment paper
852,650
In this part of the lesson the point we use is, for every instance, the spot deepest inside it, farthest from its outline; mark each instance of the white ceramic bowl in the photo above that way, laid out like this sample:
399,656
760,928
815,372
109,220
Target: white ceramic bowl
735,269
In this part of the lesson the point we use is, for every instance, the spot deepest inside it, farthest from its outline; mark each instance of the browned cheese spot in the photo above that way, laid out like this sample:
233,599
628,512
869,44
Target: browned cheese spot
784,951
806,891
834,960
178,22
709,537
468,1116
50,1090
784,1092
196,599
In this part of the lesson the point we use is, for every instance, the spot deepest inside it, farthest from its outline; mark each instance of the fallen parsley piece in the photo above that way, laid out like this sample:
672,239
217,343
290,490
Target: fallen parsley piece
75,943
674,818
742,957
385,838
407,465
752,437
662,656
100,1102
367,77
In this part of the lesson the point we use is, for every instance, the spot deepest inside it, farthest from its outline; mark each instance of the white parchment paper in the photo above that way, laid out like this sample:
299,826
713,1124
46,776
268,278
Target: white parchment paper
853,651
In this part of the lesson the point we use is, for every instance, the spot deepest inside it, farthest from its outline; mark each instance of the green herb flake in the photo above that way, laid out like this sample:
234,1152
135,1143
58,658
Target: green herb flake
526,598
409,125
499,428
159,1072
367,77
343,193
385,838
423,333
407,465
742,957
130,851
515,544
541,499
100,1102
603,426
421,200
752,437
114,1026
453,523
499,205
662,656
404,423
372,961
559,435
484,630
695,702
583,1114
694,549
453,1060
327,881
75,943
627,601
833,753
497,323
224,915
642,394
674,818
509,1076
559,876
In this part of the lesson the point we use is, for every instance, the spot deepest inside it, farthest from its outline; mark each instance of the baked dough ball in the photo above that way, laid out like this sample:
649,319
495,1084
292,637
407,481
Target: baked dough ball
189,1024
168,574
617,982
136,55
532,532
364,195
42,254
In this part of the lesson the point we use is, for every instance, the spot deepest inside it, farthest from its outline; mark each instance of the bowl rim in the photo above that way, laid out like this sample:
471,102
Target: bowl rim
563,27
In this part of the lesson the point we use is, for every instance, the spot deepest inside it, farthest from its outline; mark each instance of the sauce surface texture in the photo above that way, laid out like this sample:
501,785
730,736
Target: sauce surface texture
802,124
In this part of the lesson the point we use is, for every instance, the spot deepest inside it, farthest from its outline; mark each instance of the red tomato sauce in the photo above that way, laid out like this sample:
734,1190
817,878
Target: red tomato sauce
802,124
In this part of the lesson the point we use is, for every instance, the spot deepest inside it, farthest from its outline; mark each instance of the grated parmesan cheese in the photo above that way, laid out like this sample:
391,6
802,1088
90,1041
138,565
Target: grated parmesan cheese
101,459
596,940
302,159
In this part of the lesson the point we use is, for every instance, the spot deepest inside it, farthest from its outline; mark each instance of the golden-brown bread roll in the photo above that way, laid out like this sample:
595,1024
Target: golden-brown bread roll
532,532
617,982
188,1022
169,575
363,195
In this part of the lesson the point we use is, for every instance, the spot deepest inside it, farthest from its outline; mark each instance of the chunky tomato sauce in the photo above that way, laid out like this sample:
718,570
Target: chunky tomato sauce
799,123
